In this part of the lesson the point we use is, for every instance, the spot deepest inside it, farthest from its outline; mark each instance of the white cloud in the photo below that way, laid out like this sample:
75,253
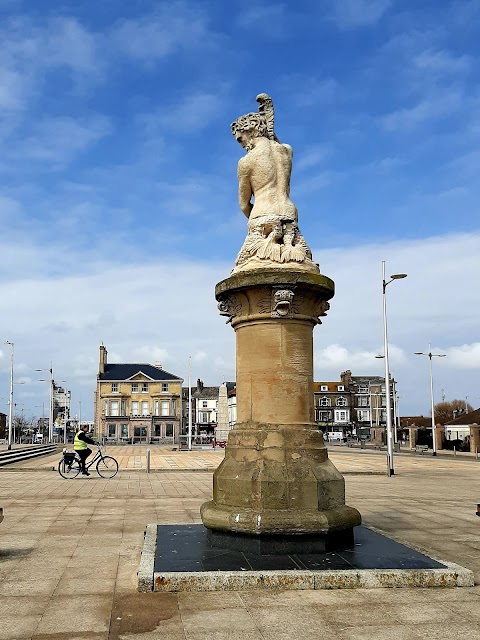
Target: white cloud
151,355
173,27
338,358
68,43
271,19
58,140
12,90
312,156
465,356
350,14
429,109
192,113
30,50
129,306
442,62
307,91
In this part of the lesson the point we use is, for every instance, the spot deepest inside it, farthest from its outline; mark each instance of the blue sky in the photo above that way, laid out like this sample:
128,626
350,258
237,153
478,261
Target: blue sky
118,192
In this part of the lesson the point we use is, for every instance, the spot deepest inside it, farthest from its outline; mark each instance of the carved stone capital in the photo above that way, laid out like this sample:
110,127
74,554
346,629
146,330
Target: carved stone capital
273,295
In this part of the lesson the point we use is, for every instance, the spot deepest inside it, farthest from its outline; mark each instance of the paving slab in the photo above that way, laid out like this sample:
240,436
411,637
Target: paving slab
44,512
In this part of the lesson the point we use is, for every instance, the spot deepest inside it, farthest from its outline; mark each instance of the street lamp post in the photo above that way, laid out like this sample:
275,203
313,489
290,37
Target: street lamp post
396,276
189,404
430,356
10,402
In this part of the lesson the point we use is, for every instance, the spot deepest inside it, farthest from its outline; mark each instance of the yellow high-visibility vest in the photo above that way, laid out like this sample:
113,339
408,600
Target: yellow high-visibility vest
79,445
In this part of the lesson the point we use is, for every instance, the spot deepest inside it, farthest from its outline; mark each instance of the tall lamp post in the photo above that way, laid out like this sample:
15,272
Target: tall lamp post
189,404
430,356
395,276
10,402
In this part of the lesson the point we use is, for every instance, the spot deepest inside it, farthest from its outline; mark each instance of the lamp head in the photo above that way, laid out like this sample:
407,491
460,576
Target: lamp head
398,276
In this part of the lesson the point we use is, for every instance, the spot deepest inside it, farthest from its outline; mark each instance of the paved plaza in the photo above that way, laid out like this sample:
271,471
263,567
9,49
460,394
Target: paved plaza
69,552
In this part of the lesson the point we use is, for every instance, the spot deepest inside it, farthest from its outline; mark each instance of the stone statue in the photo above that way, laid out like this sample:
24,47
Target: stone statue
264,173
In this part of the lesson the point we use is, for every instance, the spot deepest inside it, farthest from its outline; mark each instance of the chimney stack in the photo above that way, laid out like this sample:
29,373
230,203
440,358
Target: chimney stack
102,360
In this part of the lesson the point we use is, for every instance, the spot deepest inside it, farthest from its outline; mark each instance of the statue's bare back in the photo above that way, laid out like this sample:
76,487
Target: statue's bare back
264,194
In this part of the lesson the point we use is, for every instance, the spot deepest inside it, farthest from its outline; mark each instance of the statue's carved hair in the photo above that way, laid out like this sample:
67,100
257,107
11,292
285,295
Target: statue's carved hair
250,122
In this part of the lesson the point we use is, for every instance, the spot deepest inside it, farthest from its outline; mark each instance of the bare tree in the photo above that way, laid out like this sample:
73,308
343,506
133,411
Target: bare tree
448,411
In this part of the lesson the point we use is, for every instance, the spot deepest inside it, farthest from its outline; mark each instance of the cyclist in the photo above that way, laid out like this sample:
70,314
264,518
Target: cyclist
80,446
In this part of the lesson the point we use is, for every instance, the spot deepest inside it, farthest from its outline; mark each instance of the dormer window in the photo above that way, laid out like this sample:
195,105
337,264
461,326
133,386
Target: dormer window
323,387
341,387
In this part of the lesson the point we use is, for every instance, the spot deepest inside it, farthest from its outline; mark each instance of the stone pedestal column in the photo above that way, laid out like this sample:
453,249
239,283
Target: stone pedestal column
412,434
276,478
474,438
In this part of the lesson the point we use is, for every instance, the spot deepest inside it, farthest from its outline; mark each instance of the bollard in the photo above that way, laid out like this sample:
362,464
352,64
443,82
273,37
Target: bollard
454,452
476,453
148,460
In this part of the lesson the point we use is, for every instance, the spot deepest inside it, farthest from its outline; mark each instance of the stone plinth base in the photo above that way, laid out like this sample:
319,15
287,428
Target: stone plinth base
278,480
279,545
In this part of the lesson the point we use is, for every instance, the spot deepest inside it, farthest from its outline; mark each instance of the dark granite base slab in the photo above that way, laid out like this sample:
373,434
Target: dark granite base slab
188,548
180,558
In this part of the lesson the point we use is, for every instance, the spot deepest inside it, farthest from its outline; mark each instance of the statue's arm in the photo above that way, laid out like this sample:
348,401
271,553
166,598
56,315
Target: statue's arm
245,192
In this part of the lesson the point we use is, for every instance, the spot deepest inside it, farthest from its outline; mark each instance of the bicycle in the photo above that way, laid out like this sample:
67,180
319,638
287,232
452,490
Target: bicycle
69,466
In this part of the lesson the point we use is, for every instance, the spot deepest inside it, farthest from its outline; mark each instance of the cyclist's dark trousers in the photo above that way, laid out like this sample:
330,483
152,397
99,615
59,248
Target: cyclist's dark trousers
84,453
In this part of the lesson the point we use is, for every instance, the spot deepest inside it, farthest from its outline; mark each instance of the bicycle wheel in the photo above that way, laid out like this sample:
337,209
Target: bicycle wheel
107,467
68,471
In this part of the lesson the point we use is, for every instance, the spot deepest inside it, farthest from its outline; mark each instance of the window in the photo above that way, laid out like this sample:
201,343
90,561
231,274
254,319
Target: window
134,387
363,415
323,416
169,430
114,387
324,402
323,387
340,387
157,430
112,430
144,387
363,389
341,402
156,407
204,404
363,401
135,408
145,410
124,430
204,417
165,408
340,416
165,387
114,408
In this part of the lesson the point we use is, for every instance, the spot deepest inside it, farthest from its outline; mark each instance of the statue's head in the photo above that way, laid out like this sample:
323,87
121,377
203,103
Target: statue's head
248,127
